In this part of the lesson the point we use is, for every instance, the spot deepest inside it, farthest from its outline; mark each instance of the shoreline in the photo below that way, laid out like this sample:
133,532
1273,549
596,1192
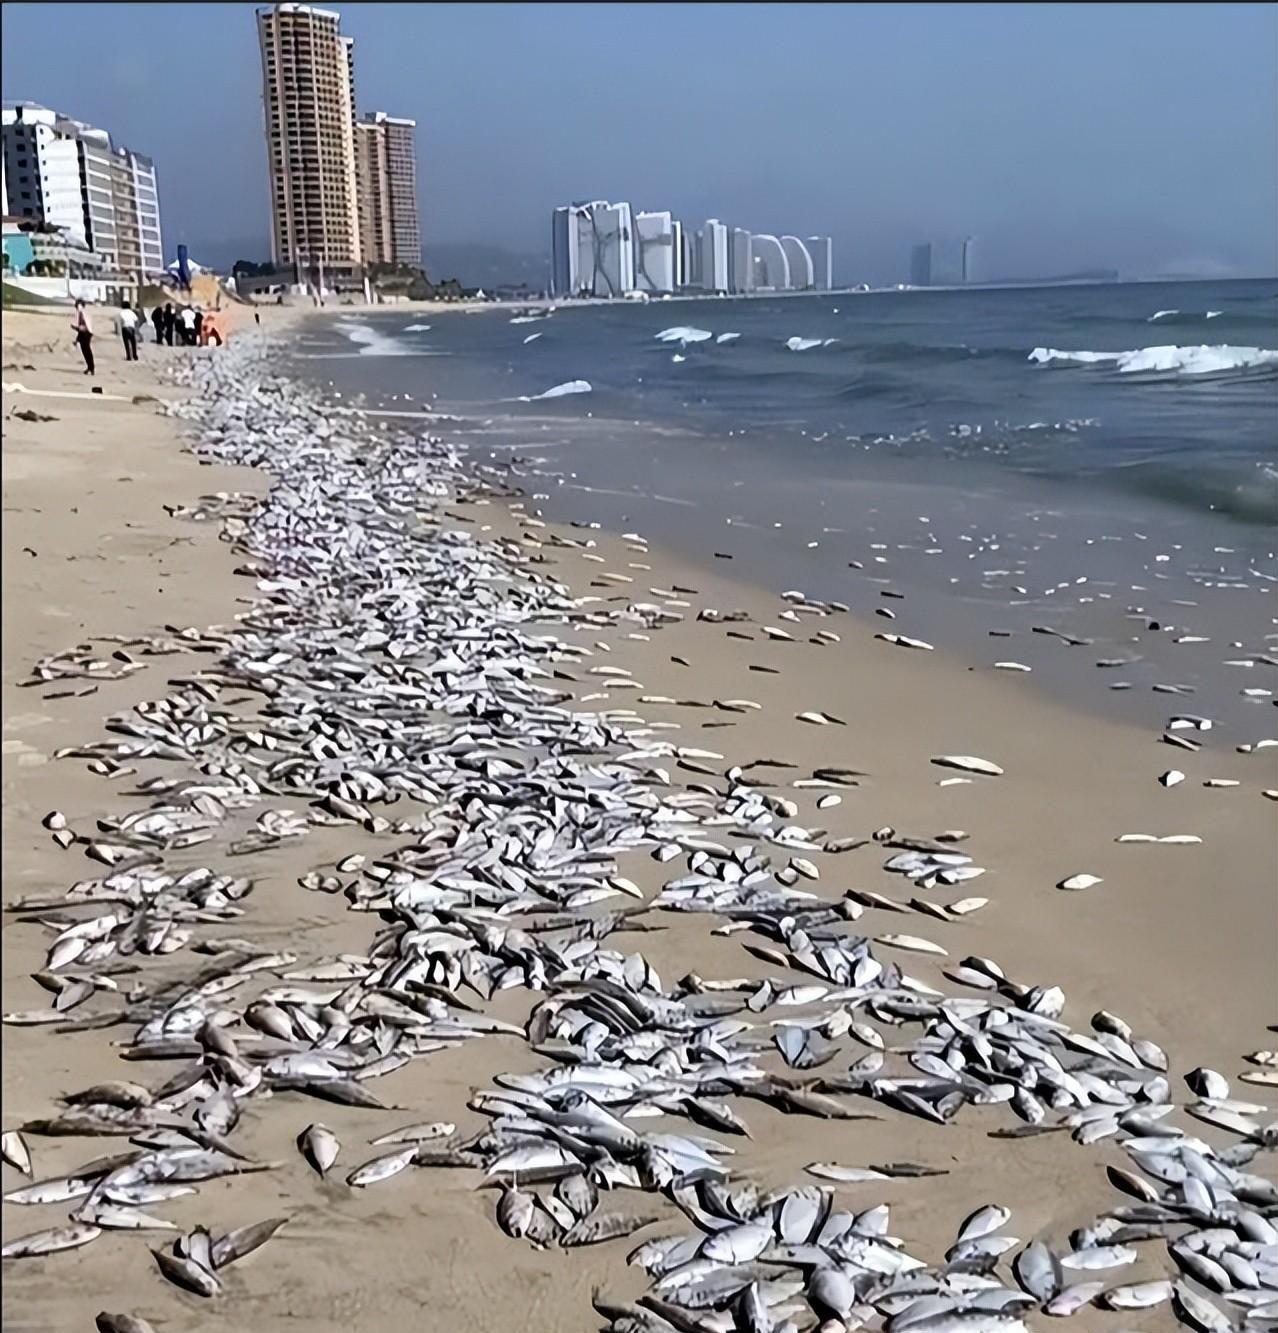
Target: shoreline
1107,947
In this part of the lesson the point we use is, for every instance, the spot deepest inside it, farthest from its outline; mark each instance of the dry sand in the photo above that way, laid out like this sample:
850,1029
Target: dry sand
1180,940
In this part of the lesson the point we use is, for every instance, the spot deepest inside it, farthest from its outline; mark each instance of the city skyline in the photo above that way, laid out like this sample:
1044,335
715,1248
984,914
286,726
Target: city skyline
988,140
603,249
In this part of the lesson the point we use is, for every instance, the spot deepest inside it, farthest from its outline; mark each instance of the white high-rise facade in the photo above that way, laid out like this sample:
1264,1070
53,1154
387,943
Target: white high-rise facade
715,275
770,268
69,175
42,170
657,260
799,260
821,248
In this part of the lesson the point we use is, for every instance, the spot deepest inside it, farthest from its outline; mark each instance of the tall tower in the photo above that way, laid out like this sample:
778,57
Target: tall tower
308,101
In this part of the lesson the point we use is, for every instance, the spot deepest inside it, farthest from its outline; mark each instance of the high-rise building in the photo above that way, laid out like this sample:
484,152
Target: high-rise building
770,268
565,251
716,274
969,260
372,173
799,258
69,175
594,249
308,101
42,170
821,248
386,180
656,256
921,265
740,262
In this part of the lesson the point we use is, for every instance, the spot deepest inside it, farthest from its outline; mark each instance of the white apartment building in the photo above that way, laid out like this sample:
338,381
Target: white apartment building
69,175
42,170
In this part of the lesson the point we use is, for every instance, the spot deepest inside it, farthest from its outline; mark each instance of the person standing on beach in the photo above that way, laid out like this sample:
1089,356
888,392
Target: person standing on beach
157,322
187,316
129,331
198,327
170,321
84,336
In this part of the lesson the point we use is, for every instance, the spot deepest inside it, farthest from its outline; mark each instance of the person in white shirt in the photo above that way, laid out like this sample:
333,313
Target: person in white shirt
187,317
128,321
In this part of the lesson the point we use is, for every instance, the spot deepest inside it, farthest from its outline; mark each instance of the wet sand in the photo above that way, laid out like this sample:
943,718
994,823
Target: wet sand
1178,939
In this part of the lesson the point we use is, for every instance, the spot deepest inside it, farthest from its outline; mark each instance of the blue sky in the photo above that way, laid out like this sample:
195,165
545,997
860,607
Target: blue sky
1141,137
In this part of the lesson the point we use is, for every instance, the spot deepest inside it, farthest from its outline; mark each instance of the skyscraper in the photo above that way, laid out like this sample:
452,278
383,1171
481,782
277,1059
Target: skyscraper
565,248
821,248
386,189
802,269
716,276
740,262
921,265
308,102
969,260
656,256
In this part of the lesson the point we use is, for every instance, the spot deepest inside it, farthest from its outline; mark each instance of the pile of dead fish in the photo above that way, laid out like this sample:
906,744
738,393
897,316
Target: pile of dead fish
396,675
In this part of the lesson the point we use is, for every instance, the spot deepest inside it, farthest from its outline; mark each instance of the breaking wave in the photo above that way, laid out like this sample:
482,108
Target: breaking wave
1171,362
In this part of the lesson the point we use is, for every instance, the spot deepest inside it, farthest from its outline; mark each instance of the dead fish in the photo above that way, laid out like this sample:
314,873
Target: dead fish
381,1168
186,1273
968,763
422,1133
983,1222
14,1150
604,1227
1080,881
50,1241
122,1323
233,1246
320,1146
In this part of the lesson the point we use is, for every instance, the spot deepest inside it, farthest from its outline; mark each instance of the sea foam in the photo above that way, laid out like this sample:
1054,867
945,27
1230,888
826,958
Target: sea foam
684,335
559,391
1171,359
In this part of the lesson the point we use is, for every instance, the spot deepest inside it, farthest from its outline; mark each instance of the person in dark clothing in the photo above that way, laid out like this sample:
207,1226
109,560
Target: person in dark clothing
170,322
84,336
157,322
199,324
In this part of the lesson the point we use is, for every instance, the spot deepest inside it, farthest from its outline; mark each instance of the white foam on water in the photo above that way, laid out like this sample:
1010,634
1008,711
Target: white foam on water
1161,314
417,328
727,337
684,335
1173,360
559,391
372,342
532,338
806,344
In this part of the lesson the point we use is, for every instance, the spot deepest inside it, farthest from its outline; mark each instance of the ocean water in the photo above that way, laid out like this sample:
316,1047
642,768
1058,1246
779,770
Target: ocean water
1100,462
1120,397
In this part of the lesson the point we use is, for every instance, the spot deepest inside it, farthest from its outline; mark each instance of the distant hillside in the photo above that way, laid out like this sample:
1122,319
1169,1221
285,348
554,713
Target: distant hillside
486,266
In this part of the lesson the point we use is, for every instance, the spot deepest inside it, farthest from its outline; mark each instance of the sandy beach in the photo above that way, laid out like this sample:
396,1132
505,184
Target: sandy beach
1178,938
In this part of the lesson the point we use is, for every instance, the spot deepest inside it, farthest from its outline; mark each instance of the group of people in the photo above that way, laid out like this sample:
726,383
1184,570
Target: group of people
188,324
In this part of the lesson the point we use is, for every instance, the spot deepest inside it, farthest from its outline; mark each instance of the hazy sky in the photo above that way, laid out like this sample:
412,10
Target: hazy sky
1141,137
